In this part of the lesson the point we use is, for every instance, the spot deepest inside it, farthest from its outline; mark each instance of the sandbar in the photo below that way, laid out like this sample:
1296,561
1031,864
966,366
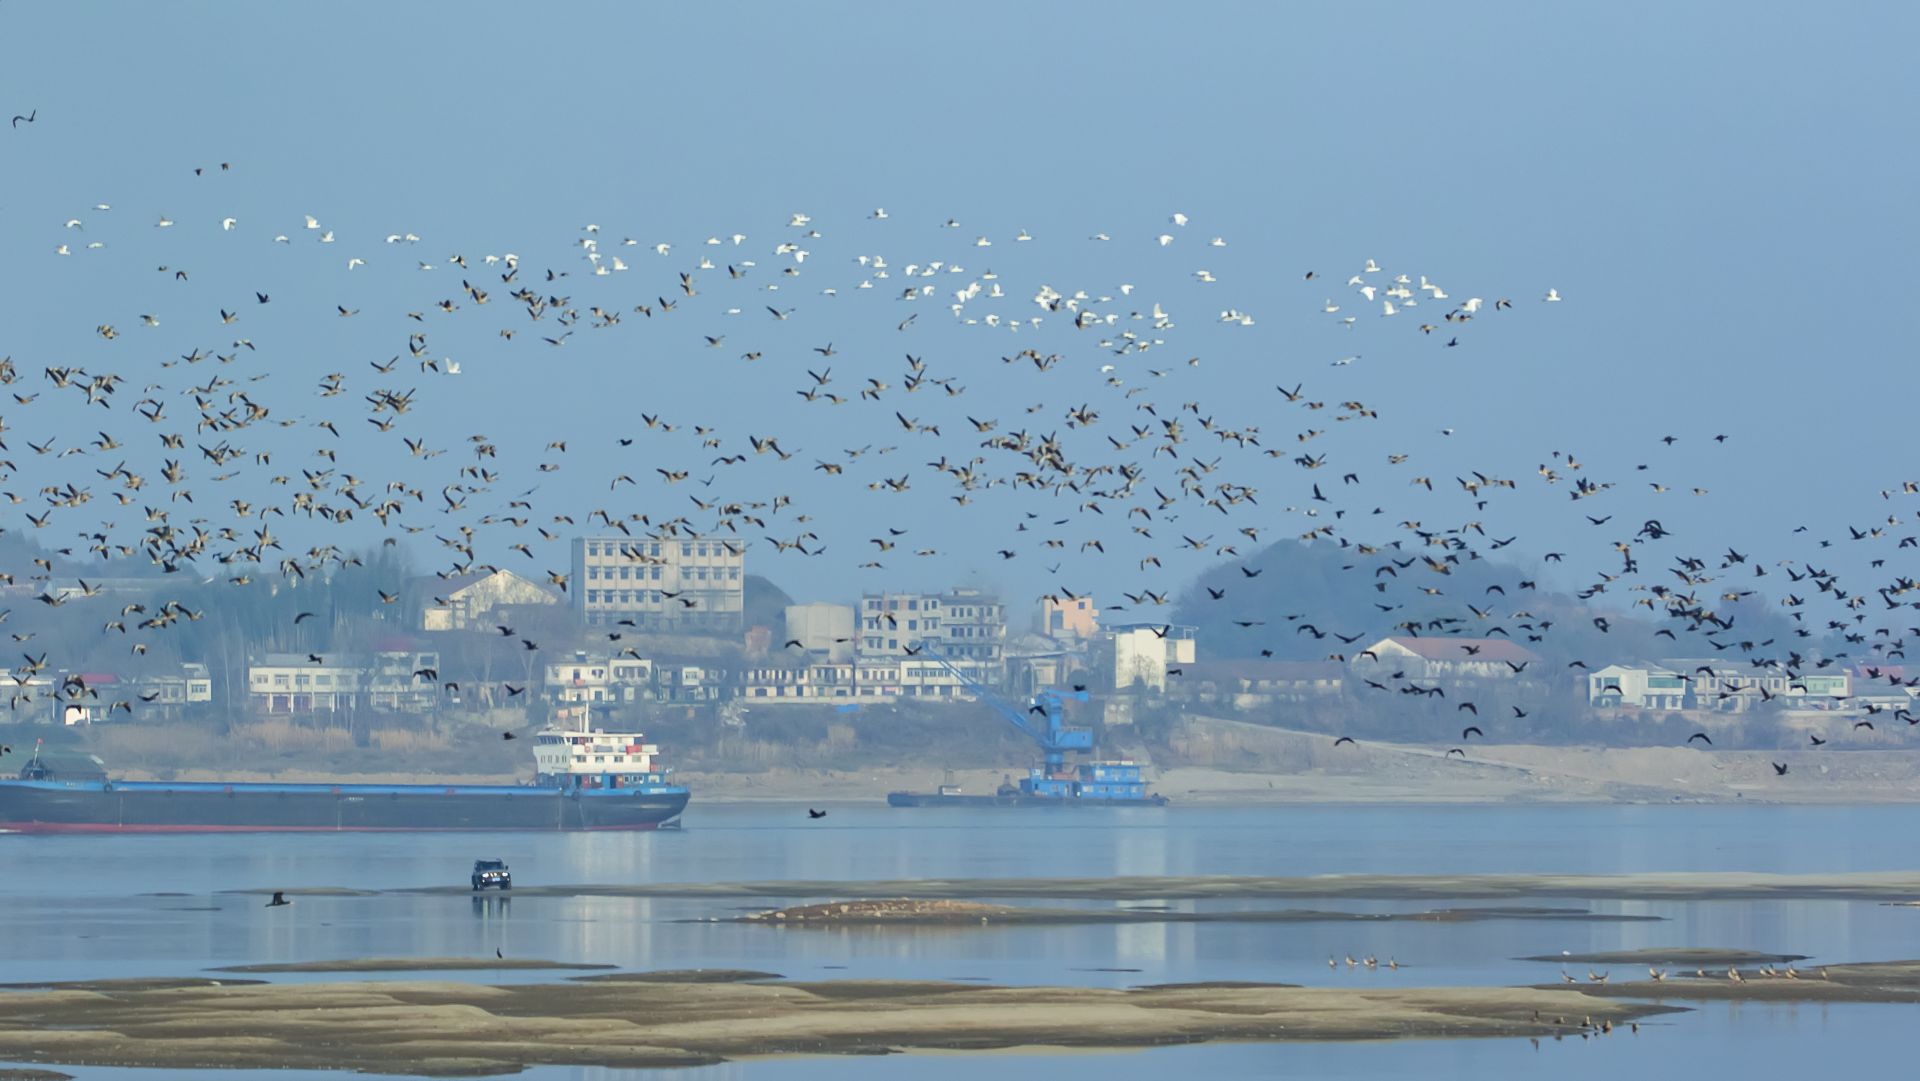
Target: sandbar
1874,981
912,912
412,964
1668,955
447,1029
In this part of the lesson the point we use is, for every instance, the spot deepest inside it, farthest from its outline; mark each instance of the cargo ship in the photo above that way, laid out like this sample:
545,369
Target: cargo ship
583,780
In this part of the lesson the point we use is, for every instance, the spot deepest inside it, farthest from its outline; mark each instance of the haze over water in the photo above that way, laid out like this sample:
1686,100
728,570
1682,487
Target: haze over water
1716,197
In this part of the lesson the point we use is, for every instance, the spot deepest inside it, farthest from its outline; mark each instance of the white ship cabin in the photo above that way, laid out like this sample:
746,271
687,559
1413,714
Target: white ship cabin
568,758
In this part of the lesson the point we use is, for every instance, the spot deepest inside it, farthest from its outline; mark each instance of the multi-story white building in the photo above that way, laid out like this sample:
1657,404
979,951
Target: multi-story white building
472,601
1141,653
813,683
576,685
389,680
965,626
1640,686
1252,684
1711,684
660,583
1441,657
689,683
822,628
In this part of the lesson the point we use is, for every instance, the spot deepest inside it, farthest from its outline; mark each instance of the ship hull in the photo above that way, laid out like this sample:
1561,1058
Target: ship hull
1017,799
160,807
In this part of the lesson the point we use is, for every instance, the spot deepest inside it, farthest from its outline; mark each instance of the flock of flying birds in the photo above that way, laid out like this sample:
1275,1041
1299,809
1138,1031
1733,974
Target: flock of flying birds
247,407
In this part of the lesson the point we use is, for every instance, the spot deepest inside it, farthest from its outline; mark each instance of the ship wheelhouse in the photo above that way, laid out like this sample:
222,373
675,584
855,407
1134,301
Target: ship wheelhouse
596,760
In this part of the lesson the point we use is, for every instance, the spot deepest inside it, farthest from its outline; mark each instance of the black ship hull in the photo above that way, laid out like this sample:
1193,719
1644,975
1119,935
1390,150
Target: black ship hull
162,807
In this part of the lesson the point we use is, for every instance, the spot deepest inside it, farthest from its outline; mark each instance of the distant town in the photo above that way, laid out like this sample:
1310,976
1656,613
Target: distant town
668,622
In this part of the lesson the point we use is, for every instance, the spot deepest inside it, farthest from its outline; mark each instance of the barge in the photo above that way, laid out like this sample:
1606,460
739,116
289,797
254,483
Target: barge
583,780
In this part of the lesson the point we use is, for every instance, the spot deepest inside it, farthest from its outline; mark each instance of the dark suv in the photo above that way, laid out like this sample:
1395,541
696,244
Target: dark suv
491,873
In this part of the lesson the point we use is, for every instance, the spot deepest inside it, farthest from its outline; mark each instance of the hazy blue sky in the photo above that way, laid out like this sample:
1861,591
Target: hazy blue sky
1721,192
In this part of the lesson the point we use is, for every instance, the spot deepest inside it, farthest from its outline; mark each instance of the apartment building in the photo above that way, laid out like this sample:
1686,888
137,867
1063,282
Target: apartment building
965,626
388,680
660,583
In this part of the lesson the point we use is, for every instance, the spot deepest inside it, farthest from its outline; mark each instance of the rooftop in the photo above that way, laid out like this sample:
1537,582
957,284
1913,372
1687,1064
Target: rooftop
1457,650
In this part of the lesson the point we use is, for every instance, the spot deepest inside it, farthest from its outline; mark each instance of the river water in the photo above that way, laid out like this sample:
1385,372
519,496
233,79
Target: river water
90,907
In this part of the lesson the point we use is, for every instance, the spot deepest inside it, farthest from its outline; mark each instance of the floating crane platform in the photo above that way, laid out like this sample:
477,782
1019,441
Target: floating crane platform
1054,783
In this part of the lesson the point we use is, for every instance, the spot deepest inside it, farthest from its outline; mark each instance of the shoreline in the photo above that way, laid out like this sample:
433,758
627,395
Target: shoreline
1400,774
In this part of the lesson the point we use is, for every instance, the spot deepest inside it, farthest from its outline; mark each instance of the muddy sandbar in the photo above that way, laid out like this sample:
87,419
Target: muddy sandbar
1876,981
413,964
441,1028
1691,956
916,912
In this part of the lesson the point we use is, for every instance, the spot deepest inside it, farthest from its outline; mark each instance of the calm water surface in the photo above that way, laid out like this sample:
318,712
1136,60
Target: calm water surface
83,907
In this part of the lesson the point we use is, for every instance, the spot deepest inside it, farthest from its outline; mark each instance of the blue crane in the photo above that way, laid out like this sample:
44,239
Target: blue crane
1055,738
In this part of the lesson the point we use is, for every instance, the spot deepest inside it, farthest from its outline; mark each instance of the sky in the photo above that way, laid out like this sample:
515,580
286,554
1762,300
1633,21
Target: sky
1719,192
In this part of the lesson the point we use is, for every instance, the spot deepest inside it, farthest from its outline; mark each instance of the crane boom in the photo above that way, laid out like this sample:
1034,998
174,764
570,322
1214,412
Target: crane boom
1055,738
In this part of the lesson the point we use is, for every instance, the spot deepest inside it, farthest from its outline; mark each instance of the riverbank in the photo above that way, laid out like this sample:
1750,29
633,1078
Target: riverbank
1366,773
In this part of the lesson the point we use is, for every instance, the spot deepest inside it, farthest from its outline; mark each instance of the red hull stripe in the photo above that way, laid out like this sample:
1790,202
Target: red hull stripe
106,827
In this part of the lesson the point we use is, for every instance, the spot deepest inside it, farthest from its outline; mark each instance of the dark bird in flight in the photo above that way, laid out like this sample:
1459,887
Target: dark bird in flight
512,691
497,953
1702,737
28,118
1472,730
301,616
508,735
1453,751
1817,741
1779,769
279,898
1342,739
811,813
